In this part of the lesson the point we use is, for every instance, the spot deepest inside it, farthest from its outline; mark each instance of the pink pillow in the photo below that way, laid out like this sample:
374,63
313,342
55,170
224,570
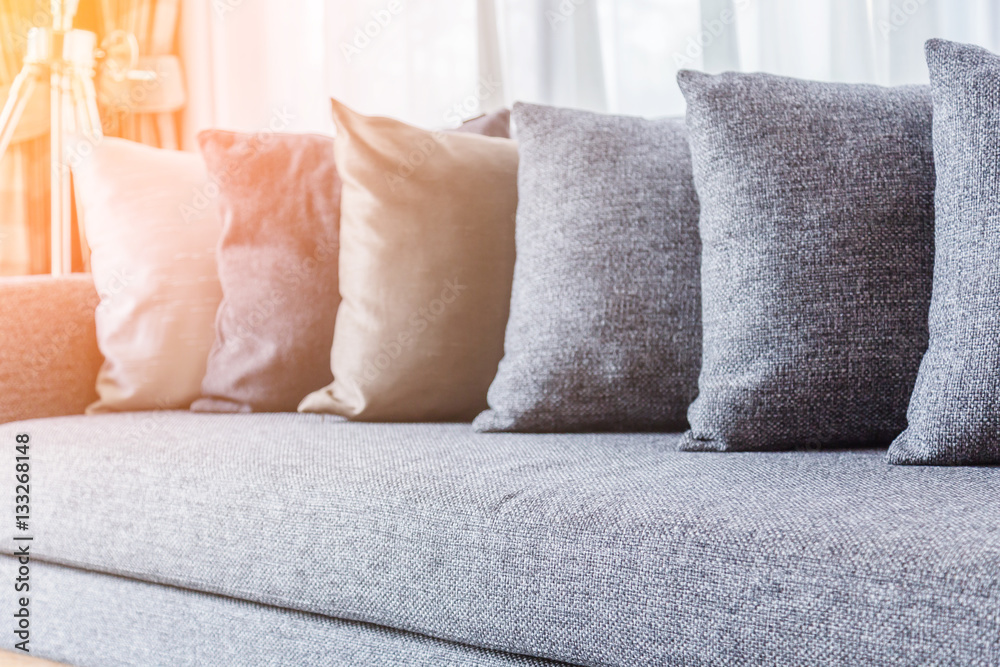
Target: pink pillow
278,264
279,198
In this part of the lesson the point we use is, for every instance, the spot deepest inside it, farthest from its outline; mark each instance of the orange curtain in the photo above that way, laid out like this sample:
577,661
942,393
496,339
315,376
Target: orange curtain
24,170
154,24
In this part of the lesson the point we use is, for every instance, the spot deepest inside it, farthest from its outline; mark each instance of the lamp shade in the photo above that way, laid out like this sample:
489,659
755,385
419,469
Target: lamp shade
155,86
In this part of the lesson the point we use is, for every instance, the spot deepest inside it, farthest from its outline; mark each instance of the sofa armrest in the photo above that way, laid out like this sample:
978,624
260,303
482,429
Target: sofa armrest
48,346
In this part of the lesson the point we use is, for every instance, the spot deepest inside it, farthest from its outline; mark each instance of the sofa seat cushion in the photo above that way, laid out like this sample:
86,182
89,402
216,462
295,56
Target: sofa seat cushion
163,626
608,549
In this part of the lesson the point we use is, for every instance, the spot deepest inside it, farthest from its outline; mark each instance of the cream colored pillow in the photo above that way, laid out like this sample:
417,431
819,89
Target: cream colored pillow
152,227
426,263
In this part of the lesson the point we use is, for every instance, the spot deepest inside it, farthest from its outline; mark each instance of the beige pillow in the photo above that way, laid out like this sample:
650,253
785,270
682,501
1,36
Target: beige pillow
152,227
426,263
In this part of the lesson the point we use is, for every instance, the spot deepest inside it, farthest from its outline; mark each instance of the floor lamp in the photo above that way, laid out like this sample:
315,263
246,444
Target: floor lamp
64,60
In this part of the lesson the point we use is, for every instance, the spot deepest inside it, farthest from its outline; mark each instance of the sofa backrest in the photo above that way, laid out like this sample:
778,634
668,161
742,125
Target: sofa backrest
49,357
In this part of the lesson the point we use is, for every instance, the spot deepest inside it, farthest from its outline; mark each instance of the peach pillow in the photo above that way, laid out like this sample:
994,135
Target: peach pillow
426,264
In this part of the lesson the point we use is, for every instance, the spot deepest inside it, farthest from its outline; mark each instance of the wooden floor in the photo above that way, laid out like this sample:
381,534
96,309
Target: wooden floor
21,660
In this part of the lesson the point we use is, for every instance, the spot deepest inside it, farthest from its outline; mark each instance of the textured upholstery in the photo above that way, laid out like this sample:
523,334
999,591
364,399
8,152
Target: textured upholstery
592,549
954,415
817,229
87,619
48,348
605,324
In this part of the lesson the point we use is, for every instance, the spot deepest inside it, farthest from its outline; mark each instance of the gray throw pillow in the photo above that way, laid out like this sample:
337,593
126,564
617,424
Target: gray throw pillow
604,329
817,225
954,415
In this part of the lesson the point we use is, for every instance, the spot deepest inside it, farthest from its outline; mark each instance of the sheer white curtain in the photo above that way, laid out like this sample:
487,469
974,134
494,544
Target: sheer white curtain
272,64
254,65
872,41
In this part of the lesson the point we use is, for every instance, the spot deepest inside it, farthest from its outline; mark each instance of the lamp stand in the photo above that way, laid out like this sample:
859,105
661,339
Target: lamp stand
63,59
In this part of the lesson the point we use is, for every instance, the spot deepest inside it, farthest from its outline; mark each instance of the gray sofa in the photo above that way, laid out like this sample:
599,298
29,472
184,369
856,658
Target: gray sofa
184,539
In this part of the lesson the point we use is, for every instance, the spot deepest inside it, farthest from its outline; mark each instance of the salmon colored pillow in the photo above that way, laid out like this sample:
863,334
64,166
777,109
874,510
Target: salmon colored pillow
279,198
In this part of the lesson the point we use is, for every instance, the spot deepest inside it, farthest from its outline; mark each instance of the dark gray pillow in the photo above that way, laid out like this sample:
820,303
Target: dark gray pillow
604,329
954,415
817,227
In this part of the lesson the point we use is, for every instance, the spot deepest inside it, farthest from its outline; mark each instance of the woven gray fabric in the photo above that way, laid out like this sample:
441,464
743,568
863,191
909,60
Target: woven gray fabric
609,549
94,620
48,346
954,415
280,207
817,225
604,330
